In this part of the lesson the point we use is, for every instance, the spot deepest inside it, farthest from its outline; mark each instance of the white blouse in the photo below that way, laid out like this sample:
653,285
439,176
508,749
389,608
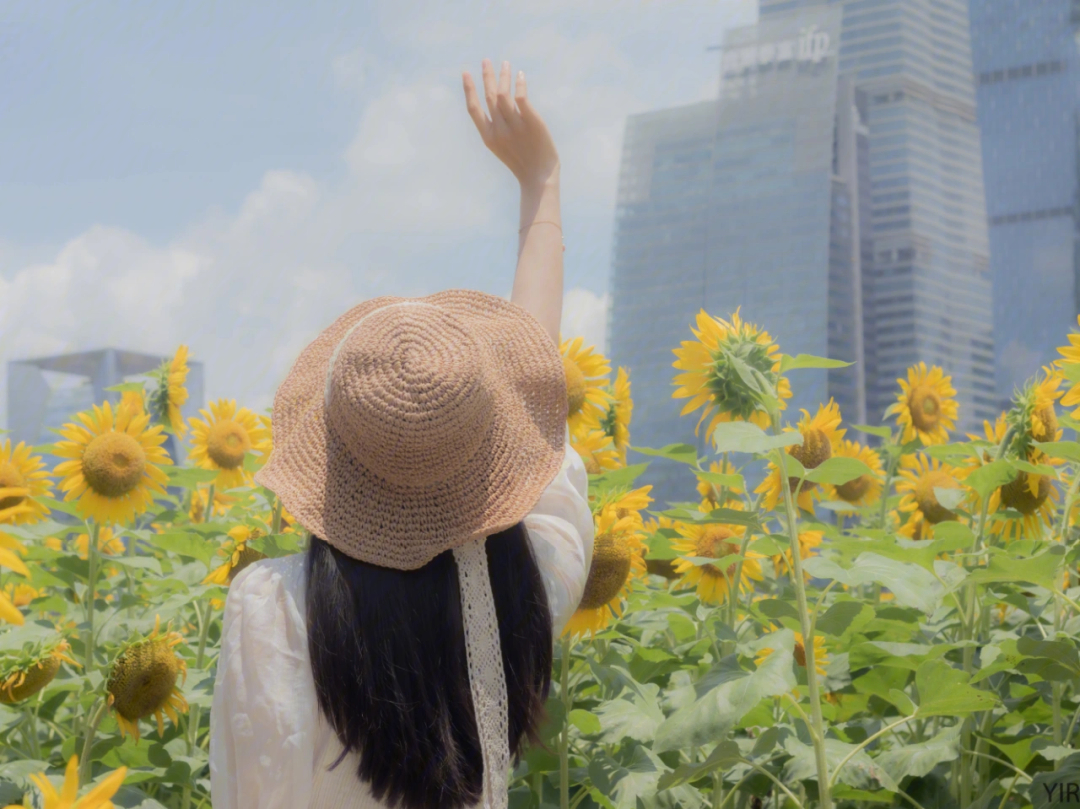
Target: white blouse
269,744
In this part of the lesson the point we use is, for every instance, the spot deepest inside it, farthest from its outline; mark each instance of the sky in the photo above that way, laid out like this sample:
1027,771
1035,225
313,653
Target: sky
234,176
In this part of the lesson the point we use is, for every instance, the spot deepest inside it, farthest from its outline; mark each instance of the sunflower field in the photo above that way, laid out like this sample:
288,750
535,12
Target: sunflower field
839,615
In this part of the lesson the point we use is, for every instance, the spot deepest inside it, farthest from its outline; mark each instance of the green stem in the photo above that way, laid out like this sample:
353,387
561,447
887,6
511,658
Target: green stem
88,740
564,739
91,595
890,472
784,789
209,504
275,527
203,619
825,797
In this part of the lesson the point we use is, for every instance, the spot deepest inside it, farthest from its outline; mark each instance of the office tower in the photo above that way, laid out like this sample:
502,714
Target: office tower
38,404
1028,73
927,295
750,201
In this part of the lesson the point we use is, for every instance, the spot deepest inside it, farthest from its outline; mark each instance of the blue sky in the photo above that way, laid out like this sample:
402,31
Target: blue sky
236,175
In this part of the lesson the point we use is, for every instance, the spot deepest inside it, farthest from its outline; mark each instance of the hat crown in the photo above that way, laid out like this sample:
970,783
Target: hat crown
410,394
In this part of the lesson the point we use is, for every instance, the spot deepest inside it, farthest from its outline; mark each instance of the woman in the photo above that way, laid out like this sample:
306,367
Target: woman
404,659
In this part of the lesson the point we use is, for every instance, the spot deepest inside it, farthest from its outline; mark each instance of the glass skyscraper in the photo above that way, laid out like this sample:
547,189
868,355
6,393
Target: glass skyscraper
1028,74
927,295
751,202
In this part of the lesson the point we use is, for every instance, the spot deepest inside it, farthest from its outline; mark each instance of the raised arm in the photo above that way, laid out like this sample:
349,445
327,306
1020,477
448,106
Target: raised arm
517,135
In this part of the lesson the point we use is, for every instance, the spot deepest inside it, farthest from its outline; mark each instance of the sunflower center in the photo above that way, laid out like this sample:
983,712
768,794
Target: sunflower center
609,571
34,678
1050,424
575,386
853,490
927,501
247,557
227,444
815,449
1017,495
113,464
143,679
10,478
925,406
716,542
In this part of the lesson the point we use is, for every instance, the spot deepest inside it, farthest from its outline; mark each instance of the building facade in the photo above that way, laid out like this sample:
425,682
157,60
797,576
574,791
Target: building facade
1028,72
750,202
927,296
44,393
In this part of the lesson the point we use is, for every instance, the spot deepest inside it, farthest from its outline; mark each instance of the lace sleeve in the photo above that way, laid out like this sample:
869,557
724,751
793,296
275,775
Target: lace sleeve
560,529
263,716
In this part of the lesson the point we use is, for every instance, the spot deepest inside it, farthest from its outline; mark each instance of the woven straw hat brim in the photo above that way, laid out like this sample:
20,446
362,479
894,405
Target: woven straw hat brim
374,520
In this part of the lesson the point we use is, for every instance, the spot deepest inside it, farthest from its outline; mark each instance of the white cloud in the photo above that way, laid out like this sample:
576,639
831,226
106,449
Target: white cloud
585,315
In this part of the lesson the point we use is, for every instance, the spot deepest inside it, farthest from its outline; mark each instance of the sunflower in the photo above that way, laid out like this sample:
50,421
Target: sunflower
23,479
920,475
711,492
586,381
170,394
238,555
1032,415
618,557
659,567
222,503
224,439
615,422
1070,355
96,798
626,502
20,594
143,682
926,406
715,541
9,557
808,540
820,435
712,380
133,401
1031,497
30,672
115,463
864,490
595,449
820,656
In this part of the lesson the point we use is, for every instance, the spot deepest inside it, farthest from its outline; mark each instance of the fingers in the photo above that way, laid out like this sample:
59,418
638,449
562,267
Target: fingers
476,112
521,97
490,89
505,103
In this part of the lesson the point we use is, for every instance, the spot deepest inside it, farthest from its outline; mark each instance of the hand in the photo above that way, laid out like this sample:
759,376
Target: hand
515,133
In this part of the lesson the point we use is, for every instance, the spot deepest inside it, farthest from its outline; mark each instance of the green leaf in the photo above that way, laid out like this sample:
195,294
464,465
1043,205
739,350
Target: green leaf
949,498
789,363
1019,752
743,436
944,691
861,771
724,756
626,783
902,702
710,718
610,478
989,477
1067,450
838,617
683,453
659,544
839,471
918,760
880,432
776,608
725,481
1040,570
585,721
636,717
911,584
183,543
1036,469
189,477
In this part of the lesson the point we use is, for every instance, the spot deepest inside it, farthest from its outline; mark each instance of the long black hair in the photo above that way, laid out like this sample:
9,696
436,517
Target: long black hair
388,656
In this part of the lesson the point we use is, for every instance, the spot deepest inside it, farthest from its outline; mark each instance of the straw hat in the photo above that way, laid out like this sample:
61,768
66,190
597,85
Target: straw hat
412,425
